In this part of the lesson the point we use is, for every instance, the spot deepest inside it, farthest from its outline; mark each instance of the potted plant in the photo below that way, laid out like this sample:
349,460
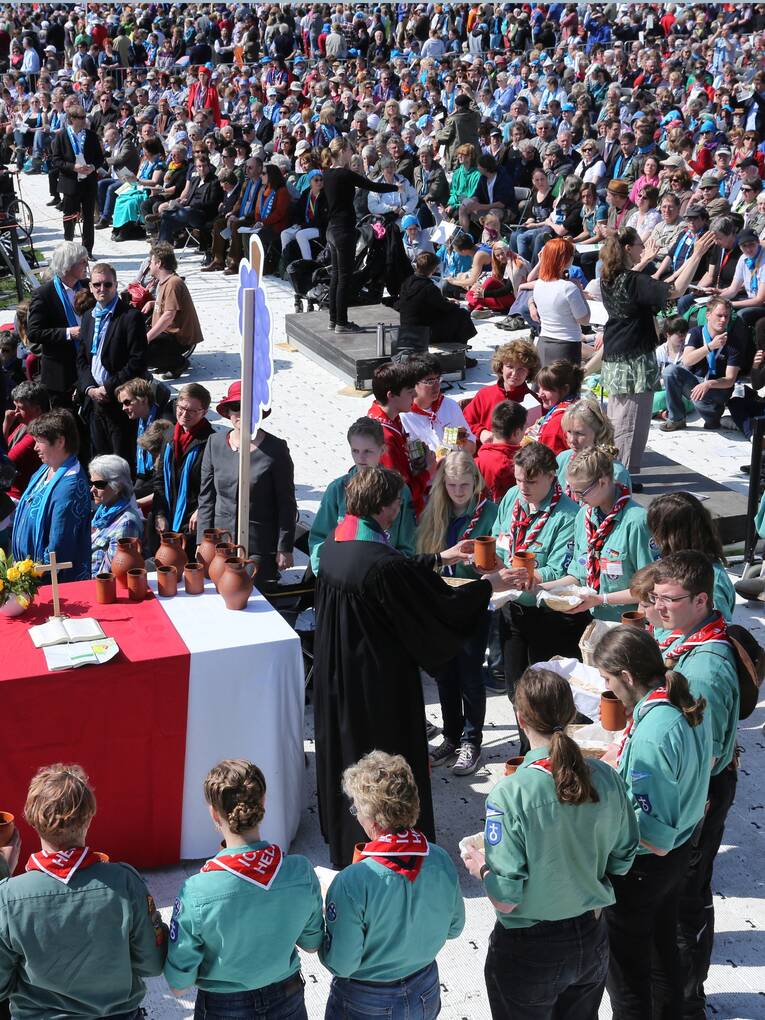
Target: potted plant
19,581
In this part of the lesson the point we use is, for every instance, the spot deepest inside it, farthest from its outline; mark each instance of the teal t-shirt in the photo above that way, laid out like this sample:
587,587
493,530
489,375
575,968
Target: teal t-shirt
553,546
628,547
232,935
724,594
458,527
332,510
554,859
666,766
621,474
383,927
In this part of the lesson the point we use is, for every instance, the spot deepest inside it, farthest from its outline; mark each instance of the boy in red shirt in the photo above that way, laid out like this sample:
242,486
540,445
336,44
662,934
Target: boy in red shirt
496,460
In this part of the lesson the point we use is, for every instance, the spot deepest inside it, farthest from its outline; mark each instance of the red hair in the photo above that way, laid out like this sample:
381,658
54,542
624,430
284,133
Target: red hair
555,256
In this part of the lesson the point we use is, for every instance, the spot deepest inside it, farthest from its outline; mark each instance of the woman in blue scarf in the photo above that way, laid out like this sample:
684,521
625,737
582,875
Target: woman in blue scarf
53,514
127,208
117,514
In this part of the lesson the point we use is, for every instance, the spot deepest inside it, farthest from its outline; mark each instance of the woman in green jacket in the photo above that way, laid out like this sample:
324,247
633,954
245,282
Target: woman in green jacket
464,180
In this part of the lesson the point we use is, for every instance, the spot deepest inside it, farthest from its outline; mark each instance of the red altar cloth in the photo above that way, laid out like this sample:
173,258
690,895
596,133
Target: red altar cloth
124,722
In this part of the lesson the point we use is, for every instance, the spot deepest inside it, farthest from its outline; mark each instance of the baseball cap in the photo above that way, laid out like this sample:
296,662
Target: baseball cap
723,152
696,211
707,126
673,161
409,221
618,187
424,120
709,180
749,161
302,146
747,237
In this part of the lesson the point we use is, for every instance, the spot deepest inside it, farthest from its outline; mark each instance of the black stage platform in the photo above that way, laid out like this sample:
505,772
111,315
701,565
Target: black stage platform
353,356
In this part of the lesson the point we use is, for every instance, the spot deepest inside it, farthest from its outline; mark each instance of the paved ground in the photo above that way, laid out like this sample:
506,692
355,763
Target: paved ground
312,413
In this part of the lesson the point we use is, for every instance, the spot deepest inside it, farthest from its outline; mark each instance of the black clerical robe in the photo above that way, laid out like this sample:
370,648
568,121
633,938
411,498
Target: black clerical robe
380,616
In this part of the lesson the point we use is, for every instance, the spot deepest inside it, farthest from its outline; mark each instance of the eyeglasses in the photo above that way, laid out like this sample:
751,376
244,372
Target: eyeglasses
128,401
100,485
580,495
98,284
667,600
185,409
675,180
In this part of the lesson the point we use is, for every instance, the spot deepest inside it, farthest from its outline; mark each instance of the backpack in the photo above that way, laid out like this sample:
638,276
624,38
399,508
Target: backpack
750,667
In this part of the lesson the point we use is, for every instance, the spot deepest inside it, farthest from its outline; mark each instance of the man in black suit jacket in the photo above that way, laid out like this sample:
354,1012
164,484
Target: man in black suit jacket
112,351
262,126
53,327
77,180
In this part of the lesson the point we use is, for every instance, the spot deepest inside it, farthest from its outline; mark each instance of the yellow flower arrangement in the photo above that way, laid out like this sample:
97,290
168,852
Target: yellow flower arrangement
13,574
18,578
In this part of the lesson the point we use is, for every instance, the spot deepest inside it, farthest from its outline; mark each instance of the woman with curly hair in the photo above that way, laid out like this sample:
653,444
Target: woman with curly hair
515,364
249,894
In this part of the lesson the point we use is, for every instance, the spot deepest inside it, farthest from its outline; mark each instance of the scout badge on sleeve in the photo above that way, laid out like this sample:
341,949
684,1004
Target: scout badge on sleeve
493,831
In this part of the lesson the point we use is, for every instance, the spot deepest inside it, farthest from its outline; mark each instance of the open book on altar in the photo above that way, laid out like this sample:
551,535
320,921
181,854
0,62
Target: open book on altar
61,632
80,653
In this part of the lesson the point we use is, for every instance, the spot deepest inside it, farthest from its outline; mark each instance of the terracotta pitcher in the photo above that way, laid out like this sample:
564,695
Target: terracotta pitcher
127,557
206,548
223,551
171,552
236,583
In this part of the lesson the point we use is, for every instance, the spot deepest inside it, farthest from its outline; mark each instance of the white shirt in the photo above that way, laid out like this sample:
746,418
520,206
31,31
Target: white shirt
559,303
430,431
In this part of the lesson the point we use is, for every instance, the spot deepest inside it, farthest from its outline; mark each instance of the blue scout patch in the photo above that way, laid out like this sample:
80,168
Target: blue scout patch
493,830
331,912
174,921
644,802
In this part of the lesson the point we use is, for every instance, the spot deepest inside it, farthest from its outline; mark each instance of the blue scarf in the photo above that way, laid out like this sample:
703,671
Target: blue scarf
106,515
683,248
147,170
144,461
752,264
179,511
711,355
248,198
100,317
77,141
266,205
71,318
40,514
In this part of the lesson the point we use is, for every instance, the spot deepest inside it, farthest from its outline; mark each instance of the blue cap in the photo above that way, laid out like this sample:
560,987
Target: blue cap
707,125
409,221
313,173
567,106
265,60
669,117
424,120
637,116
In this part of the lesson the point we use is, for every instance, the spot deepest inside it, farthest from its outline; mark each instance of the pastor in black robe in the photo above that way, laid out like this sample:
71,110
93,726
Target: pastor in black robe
380,616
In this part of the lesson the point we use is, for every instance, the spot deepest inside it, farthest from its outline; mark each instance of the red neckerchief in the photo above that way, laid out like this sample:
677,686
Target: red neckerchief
715,629
656,697
543,764
62,864
432,411
596,537
474,519
394,424
183,438
402,852
521,520
260,867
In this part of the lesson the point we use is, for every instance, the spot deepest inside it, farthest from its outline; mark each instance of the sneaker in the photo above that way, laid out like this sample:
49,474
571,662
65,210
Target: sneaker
348,327
444,754
103,223
468,760
672,426
482,313
711,426
431,730
331,327
54,201
512,322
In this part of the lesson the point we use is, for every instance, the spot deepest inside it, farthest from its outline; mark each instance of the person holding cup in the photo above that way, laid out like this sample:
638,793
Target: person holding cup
458,509
549,894
611,538
116,515
665,759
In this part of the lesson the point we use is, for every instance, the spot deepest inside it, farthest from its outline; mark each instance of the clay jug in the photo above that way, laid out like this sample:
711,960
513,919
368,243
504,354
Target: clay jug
206,548
127,557
171,552
223,551
235,584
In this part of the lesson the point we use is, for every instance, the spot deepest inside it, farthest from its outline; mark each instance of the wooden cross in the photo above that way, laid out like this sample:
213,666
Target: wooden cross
53,568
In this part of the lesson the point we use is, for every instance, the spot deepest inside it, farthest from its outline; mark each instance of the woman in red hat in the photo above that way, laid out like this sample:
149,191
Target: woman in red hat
273,510
203,95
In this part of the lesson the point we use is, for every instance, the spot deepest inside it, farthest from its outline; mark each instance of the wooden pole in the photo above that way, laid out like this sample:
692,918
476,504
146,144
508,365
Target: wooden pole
243,512
53,568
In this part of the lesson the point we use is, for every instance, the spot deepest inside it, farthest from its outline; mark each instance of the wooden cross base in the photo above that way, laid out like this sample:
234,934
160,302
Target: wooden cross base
53,568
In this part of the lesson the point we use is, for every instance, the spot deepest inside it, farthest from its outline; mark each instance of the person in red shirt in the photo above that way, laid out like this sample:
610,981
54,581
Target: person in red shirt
515,365
30,400
203,96
558,387
496,460
393,389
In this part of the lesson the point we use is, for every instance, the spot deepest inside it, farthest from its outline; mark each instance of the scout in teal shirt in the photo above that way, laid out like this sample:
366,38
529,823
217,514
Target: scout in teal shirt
389,913
621,474
585,424
235,924
367,442
77,934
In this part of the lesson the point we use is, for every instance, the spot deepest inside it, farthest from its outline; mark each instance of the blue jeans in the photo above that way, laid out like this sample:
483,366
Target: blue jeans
41,142
522,242
107,195
461,689
417,997
679,382
283,1000
553,969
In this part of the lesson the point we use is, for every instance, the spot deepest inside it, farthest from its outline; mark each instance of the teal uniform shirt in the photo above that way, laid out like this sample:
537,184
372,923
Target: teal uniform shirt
553,546
724,594
759,521
554,859
628,548
78,950
665,764
483,526
710,670
332,510
231,935
382,927
621,474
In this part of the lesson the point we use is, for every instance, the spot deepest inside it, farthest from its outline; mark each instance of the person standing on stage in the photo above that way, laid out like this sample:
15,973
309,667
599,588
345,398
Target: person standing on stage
694,640
548,953
340,185
77,155
380,616
664,758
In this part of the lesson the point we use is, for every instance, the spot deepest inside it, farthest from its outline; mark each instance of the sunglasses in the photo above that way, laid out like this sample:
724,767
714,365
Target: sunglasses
234,407
100,485
98,284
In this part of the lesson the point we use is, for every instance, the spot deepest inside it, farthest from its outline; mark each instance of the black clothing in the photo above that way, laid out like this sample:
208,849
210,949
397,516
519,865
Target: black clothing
432,185
631,300
421,303
47,328
379,617
722,262
101,118
264,130
731,354
79,195
160,506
